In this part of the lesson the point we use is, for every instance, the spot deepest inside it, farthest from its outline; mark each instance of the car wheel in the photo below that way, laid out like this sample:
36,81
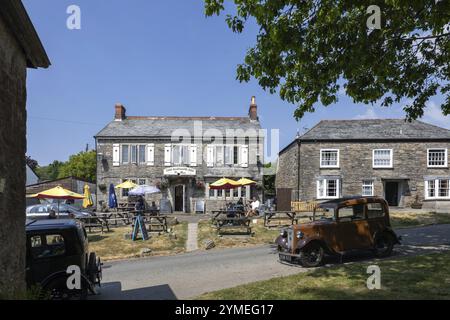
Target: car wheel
311,256
57,290
384,244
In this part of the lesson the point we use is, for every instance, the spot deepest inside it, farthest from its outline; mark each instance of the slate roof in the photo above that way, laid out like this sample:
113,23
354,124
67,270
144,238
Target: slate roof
375,129
164,126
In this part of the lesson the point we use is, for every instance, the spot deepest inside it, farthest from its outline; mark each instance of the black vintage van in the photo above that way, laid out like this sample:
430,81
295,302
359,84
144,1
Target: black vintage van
52,246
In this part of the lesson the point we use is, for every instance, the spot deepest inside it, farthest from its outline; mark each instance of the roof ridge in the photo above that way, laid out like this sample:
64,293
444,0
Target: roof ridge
185,117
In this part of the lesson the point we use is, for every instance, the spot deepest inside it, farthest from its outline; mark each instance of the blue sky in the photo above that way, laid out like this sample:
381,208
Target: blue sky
157,58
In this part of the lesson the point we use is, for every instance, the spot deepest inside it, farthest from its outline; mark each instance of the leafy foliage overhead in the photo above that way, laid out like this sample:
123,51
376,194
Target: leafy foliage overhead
307,49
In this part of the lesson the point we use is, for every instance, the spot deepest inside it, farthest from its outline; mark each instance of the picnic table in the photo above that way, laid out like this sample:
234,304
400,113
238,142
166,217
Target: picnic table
114,217
156,223
228,223
94,222
289,217
229,213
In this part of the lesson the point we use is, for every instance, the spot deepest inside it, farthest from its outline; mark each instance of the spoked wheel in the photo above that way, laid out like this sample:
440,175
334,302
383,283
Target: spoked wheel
311,256
384,244
57,290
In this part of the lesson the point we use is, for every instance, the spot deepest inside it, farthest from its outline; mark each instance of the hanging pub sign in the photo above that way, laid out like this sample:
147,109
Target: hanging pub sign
180,171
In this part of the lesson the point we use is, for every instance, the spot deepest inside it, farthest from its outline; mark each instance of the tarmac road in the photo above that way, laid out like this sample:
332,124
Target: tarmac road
188,275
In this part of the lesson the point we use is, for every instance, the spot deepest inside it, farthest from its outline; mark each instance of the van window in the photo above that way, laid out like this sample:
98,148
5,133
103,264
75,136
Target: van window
46,246
375,210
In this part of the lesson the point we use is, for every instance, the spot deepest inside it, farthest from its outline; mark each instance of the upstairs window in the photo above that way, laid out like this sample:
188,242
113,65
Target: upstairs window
437,158
125,153
382,158
141,154
329,158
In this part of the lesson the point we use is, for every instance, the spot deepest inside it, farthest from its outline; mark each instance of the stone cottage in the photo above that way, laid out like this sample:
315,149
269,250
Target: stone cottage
20,48
404,162
181,156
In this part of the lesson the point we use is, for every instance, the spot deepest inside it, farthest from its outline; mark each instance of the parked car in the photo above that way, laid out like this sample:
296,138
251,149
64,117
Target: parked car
41,211
339,226
53,246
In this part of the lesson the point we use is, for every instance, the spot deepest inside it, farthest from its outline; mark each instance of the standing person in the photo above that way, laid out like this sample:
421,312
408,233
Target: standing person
140,206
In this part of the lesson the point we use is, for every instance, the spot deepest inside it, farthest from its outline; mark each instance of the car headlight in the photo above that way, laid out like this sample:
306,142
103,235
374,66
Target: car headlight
299,234
283,233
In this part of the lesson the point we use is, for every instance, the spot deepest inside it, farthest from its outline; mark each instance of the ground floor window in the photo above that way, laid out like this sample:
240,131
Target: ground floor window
367,188
437,189
235,194
327,188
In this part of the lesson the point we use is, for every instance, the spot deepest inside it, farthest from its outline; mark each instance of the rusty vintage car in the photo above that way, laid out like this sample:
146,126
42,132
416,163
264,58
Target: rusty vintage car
339,226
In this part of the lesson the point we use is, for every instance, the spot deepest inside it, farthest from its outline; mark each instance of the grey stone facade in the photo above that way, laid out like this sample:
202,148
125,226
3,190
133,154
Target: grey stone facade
408,173
15,56
155,132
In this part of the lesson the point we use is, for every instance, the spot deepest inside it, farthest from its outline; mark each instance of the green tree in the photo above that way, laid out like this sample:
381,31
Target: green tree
82,165
307,49
50,172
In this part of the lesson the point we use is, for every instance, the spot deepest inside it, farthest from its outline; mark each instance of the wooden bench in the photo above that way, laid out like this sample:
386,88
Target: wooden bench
156,223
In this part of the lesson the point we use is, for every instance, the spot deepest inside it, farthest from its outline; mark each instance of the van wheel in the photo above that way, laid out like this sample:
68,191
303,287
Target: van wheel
384,243
311,256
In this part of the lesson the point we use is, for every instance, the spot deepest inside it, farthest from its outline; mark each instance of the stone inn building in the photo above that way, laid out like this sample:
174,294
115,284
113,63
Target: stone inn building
181,156
404,162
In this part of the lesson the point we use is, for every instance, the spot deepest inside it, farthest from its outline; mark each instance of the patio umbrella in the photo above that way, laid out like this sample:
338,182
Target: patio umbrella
143,190
246,182
224,184
127,185
58,193
87,201
112,199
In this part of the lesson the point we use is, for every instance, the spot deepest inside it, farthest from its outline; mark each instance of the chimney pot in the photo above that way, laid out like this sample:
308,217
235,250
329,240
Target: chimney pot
120,113
253,110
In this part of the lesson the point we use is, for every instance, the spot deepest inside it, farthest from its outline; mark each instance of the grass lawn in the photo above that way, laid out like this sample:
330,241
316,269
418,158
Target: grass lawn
419,277
415,219
261,236
113,245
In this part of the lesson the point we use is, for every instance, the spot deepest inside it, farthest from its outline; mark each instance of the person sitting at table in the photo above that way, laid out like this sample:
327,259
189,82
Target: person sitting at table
52,214
153,209
140,206
254,206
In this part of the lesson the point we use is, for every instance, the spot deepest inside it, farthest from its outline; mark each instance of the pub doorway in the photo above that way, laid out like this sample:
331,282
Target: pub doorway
179,198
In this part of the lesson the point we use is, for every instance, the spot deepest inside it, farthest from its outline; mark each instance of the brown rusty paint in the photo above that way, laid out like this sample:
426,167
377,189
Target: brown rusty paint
340,236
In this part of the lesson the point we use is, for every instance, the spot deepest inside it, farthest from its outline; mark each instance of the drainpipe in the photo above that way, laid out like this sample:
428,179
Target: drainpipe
298,169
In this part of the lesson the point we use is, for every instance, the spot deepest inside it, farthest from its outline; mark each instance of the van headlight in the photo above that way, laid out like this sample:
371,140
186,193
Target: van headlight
299,235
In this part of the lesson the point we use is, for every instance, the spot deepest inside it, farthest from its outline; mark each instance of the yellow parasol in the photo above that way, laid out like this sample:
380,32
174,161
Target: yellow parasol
87,201
127,185
224,183
57,193
245,182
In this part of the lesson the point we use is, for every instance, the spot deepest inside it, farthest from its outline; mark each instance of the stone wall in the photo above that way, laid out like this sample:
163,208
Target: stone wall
12,164
287,168
409,161
107,173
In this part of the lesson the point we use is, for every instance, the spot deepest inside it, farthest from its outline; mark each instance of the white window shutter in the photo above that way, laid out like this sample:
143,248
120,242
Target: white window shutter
193,155
116,155
210,156
151,154
244,156
167,154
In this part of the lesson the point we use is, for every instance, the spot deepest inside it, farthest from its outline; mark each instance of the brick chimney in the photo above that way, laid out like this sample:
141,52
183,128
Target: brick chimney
252,111
120,112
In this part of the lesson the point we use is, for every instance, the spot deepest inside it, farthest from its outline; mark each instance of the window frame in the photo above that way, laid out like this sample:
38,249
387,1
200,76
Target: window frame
445,165
337,160
436,183
127,153
391,159
365,184
325,186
